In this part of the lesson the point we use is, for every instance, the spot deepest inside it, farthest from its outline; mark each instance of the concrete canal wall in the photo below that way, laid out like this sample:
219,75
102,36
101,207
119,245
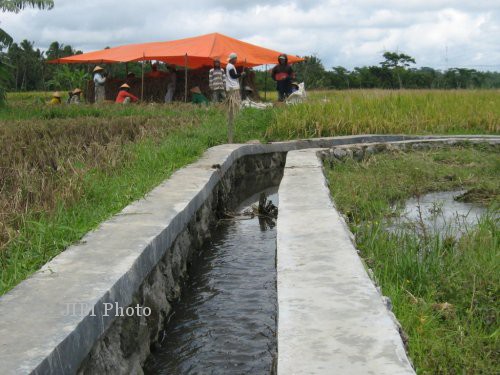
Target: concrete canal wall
331,318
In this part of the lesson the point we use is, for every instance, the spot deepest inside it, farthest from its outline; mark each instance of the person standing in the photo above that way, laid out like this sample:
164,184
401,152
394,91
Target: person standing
172,80
99,82
233,92
283,75
217,82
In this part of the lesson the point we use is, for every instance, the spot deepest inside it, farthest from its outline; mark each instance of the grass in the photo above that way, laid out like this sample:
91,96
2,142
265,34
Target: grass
444,291
65,169
67,175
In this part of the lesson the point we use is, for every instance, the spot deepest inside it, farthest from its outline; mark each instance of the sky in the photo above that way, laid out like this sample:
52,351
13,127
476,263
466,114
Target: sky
437,33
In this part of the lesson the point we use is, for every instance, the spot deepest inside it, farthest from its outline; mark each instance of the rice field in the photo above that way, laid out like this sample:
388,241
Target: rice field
333,113
65,169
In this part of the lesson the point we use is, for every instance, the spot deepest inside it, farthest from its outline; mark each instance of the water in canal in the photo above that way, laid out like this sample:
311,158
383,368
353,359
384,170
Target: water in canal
225,322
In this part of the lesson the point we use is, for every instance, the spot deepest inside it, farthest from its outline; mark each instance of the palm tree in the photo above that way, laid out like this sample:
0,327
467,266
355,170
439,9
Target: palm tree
6,40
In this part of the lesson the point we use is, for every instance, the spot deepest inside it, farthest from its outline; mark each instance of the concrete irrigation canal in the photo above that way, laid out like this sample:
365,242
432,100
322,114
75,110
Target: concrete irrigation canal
225,321
179,283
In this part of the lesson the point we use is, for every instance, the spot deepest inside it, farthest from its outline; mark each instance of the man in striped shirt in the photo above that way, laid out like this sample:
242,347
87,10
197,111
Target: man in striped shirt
217,82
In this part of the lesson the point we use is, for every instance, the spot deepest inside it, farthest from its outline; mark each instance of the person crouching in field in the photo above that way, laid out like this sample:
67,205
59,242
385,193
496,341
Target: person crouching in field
56,99
124,96
197,97
217,82
283,75
74,96
99,81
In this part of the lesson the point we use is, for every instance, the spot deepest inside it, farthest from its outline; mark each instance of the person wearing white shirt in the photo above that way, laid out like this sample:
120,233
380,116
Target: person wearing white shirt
233,92
233,79
99,81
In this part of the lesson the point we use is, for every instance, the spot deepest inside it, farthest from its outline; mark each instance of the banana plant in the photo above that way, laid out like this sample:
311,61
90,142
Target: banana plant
66,78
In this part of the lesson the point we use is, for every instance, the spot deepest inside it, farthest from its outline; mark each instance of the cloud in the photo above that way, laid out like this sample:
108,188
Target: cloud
353,33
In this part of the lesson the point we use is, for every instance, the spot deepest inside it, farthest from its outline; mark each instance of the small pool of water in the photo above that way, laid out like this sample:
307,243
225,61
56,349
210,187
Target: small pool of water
438,213
225,322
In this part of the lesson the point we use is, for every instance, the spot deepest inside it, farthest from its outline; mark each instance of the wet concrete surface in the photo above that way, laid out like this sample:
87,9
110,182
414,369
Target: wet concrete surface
225,321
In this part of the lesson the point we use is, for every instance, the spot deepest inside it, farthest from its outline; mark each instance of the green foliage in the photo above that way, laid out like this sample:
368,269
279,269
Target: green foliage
27,66
395,60
6,40
312,73
16,6
444,291
393,72
66,78
5,70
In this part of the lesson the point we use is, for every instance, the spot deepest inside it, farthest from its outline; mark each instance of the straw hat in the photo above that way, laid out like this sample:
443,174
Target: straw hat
77,91
196,90
124,86
97,69
232,55
56,95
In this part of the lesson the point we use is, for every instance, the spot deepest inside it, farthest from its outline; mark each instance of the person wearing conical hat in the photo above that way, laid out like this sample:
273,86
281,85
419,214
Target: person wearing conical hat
74,97
99,82
197,97
56,99
124,96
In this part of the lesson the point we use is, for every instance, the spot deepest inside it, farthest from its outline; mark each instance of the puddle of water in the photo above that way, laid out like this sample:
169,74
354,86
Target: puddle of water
439,214
225,322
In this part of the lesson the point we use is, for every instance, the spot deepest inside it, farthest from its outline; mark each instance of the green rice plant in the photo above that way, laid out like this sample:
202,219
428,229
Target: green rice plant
332,113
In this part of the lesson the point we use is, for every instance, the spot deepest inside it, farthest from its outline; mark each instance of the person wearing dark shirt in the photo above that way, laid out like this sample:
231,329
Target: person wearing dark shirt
283,75
124,96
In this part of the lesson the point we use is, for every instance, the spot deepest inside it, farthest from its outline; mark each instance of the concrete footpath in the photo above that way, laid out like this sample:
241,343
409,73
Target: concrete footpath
332,319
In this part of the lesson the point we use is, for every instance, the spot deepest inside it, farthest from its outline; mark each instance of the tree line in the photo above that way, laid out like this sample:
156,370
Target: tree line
394,72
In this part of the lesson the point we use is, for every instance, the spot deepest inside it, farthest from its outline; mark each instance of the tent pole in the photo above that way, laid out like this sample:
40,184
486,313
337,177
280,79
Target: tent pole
185,78
265,83
243,80
126,69
142,81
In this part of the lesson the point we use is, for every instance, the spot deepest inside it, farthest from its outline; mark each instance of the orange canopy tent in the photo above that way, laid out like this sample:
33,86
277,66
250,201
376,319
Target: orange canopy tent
192,52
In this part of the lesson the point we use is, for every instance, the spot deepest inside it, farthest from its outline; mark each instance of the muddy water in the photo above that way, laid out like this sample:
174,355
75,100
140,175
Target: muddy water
225,322
438,213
